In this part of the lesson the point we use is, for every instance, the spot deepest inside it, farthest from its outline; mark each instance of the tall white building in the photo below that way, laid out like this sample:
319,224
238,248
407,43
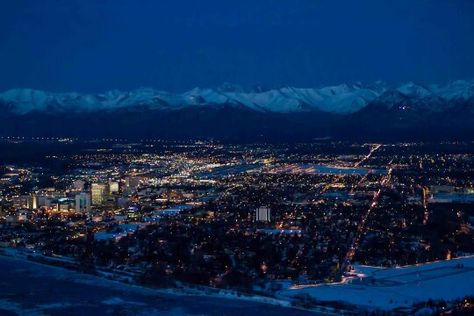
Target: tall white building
262,214
83,202
33,201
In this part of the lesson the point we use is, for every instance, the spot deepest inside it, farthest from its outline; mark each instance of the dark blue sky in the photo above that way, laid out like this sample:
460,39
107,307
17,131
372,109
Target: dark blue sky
91,46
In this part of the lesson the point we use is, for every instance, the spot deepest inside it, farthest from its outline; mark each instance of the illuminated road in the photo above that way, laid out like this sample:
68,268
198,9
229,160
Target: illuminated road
426,214
360,228
425,196
357,164
374,149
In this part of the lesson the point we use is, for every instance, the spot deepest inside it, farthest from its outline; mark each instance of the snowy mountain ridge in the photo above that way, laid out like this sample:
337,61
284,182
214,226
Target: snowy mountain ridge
340,99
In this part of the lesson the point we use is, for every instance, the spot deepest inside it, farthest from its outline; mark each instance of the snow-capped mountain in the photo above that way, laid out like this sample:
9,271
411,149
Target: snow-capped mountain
376,111
341,99
411,89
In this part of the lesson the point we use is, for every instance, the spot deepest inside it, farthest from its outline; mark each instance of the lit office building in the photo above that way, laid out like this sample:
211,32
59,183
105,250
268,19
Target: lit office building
33,201
83,202
99,193
113,187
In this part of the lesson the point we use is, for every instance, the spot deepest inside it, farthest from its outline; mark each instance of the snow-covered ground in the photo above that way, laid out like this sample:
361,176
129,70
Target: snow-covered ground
389,288
31,288
368,287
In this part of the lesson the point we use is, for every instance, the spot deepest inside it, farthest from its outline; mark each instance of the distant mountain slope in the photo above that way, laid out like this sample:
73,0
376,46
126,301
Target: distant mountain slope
342,99
375,111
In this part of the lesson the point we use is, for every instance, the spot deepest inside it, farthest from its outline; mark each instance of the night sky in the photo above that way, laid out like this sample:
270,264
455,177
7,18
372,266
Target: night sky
92,46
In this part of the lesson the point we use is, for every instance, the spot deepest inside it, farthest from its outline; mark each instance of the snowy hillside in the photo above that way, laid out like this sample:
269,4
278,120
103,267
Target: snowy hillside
341,99
401,287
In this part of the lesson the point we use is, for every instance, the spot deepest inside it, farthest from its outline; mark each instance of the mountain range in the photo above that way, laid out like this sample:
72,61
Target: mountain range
373,111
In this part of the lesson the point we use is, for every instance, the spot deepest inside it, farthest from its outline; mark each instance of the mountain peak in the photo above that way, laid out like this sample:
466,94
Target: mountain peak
412,89
341,99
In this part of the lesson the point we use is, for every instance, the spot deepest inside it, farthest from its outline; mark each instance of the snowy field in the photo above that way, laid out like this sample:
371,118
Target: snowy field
29,288
389,288
37,289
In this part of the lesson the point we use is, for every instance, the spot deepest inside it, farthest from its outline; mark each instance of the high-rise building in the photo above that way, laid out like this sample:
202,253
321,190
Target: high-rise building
262,214
113,187
83,202
99,193
21,201
78,185
44,201
33,201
